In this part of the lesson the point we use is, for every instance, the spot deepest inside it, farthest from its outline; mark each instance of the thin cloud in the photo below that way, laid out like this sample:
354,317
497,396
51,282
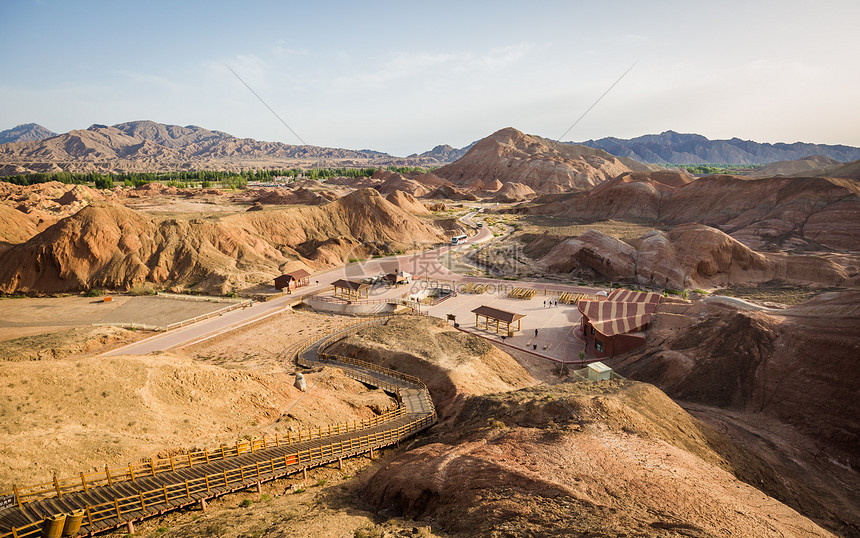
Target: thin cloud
409,66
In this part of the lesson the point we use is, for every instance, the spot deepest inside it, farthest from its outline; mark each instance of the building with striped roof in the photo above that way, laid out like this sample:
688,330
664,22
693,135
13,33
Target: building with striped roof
614,325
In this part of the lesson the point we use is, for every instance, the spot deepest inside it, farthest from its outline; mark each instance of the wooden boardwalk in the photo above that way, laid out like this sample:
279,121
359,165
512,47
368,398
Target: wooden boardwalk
134,496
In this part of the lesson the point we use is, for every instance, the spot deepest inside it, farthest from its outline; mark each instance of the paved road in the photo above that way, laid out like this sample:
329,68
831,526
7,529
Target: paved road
425,265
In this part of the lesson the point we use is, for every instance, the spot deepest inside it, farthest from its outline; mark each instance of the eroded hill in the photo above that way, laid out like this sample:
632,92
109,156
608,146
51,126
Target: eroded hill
108,245
706,233
781,381
510,156
606,458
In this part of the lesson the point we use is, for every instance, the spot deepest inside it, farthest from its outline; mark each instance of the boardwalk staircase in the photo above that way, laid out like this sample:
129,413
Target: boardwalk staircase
96,502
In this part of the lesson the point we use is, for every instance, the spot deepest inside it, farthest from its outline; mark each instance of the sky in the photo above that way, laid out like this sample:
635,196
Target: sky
403,77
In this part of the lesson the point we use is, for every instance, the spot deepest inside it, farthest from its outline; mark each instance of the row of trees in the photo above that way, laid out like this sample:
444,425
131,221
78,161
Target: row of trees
708,169
188,178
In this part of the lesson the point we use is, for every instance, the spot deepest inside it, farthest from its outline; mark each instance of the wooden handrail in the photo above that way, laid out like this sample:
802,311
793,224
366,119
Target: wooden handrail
185,488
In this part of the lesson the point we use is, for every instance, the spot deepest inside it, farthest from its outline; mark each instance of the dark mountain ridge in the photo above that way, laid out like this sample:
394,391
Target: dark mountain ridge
671,147
26,132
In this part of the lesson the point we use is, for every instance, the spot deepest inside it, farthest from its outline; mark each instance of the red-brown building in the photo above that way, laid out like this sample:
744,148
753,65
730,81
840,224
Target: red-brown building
614,325
293,280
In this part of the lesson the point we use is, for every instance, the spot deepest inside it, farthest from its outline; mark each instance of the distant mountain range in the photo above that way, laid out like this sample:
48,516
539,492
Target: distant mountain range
27,132
677,148
148,146
155,147
444,153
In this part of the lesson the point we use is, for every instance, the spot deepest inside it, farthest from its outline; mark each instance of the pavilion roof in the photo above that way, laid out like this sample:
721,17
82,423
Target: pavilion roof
349,285
495,313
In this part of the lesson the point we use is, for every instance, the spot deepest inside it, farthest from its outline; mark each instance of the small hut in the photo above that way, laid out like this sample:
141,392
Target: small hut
293,280
397,278
615,324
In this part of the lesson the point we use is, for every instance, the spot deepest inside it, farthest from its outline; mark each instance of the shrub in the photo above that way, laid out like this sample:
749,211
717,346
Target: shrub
245,503
141,289
94,293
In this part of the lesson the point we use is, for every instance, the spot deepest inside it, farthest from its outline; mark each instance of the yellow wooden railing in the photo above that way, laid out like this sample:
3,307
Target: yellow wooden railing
183,492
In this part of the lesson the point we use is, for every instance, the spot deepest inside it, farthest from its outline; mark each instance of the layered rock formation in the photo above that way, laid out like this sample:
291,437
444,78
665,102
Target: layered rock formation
546,166
782,381
107,245
513,192
688,256
782,212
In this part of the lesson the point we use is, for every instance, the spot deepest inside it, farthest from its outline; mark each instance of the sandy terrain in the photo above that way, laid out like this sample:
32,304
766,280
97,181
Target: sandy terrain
61,342
50,313
76,415
267,346
607,458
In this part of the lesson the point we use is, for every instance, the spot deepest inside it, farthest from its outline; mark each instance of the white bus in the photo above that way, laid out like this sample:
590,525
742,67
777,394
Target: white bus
457,238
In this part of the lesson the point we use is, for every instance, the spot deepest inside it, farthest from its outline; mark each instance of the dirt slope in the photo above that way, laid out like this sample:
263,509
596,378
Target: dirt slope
795,367
112,246
583,459
78,414
451,363
798,167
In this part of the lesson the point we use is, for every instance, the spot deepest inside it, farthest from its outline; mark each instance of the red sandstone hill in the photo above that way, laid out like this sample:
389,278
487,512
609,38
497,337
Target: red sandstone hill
781,212
607,458
284,196
408,203
513,192
106,245
393,181
687,257
784,381
546,166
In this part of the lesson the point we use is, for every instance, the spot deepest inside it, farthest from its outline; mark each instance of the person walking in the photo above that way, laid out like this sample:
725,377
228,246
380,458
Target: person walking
536,333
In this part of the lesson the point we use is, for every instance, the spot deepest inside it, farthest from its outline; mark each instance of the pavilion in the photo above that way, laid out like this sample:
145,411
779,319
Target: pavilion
348,289
498,316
